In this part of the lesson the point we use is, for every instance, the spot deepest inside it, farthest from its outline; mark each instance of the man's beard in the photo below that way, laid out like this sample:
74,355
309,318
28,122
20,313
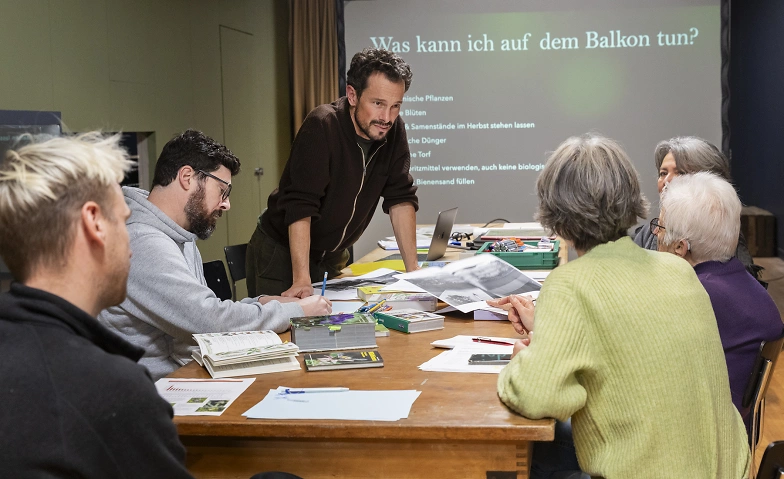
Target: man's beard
200,222
365,128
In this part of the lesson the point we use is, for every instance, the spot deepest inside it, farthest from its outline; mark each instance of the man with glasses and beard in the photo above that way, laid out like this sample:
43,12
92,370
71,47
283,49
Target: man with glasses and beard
168,298
345,157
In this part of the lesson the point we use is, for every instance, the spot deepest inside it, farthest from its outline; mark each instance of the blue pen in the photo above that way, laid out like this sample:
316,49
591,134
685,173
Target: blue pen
367,307
313,390
324,284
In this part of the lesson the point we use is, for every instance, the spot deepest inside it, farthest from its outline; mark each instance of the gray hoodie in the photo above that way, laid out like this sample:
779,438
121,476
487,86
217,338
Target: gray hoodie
168,298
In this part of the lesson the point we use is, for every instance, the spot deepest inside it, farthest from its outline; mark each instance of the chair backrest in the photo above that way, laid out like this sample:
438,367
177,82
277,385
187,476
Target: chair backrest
772,464
235,258
762,372
215,274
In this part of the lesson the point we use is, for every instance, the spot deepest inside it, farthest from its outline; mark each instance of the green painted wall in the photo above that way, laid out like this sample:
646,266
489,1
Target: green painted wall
147,65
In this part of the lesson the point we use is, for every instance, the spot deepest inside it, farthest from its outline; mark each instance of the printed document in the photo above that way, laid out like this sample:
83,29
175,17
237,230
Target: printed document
201,397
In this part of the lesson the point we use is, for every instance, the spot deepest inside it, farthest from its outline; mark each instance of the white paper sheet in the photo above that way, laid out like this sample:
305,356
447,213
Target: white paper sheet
376,273
463,340
419,237
201,397
344,406
340,307
521,226
494,276
342,295
403,285
428,230
392,245
456,360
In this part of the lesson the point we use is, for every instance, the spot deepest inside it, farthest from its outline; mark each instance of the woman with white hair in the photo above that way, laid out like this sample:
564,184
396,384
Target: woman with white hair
684,155
625,340
700,221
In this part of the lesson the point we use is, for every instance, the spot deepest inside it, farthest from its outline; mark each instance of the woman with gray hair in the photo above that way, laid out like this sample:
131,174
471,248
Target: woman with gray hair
702,217
683,155
626,343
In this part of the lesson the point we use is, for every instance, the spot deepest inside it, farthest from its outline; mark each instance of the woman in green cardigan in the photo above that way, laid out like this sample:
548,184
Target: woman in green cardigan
625,342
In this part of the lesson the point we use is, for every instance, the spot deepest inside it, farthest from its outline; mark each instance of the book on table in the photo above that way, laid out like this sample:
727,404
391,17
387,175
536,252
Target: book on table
410,320
244,353
419,301
381,330
334,332
364,291
342,360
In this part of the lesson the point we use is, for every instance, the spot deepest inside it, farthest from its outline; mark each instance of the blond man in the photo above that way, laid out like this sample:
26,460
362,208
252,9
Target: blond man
75,401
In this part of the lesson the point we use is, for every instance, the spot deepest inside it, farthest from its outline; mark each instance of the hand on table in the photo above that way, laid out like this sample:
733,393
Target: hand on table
521,311
299,290
316,305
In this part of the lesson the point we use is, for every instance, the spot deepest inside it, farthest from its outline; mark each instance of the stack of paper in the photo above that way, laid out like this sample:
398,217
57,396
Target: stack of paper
392,244
341,405
201,397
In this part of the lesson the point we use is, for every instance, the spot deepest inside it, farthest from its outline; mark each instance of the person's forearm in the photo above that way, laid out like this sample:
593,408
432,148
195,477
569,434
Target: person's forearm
403,218
299,246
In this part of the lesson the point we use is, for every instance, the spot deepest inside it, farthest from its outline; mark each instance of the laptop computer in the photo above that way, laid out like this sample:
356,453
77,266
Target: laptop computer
440,240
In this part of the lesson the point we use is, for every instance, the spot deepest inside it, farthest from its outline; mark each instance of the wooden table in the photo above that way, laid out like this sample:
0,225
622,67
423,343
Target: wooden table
458,428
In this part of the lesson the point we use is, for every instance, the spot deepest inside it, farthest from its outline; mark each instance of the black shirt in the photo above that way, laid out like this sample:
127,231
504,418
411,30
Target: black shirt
75,402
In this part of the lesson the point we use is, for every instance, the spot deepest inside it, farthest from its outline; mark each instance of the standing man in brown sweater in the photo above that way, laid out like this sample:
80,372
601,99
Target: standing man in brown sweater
345,157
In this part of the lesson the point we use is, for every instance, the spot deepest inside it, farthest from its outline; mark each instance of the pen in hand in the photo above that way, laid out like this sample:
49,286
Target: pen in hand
324,284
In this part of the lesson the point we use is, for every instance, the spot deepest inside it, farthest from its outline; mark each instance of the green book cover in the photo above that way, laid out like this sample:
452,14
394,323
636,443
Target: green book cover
410,320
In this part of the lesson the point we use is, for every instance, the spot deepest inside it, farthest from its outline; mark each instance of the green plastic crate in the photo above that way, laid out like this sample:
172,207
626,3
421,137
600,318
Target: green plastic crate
527,260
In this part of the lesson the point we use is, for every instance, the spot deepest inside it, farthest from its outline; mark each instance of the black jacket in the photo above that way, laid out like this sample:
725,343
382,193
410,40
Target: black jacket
74,401
325,180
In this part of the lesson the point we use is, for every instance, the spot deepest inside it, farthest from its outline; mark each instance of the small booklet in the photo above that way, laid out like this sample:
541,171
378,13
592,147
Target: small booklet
410,320
244,353
343,360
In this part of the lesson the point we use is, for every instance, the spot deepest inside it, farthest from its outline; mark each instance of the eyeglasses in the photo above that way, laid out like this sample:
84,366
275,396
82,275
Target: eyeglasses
656,226
224,193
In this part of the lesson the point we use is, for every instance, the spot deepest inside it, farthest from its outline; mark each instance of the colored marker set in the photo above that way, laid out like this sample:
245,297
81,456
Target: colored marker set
373,308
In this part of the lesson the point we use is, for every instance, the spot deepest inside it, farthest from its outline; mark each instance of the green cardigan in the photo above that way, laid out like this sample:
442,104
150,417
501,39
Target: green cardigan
626,344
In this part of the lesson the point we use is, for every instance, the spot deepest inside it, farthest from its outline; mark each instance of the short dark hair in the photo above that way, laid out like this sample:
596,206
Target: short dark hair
374,60
195,149
692,155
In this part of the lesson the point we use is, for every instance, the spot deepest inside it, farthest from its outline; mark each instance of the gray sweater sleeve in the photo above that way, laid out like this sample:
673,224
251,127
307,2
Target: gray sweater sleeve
167,293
